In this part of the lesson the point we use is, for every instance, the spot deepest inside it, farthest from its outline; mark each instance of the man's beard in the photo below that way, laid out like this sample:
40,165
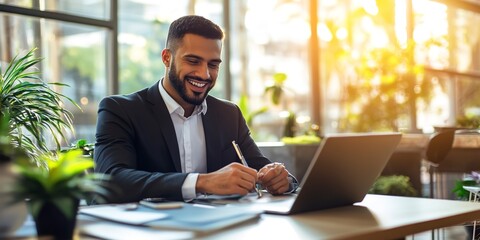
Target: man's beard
180,87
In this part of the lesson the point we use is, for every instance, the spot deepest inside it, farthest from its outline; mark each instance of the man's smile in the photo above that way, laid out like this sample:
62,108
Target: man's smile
197,84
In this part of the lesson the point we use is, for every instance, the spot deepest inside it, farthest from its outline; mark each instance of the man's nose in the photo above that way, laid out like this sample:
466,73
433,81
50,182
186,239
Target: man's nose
203,72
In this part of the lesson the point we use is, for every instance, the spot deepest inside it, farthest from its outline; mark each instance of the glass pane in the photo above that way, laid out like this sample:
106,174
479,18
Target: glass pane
73,54
447,39
270,43
466,41
99,9
368,76
468,102
431,34
143,29
437,110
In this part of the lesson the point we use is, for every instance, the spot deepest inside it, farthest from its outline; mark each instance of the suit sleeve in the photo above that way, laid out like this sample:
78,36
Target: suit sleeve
117,154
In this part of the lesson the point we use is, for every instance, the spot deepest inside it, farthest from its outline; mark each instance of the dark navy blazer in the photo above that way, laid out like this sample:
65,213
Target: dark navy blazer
136,144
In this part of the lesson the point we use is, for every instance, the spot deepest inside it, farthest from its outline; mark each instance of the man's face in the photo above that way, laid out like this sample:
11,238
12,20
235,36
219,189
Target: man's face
193,69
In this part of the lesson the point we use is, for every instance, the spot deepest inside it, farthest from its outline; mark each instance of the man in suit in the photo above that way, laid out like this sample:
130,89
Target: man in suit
173,140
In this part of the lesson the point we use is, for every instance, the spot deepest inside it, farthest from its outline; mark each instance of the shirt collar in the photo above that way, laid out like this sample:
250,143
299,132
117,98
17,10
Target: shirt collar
173,106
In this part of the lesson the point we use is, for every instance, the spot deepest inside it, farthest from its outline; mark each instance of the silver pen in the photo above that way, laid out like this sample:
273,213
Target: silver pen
244,162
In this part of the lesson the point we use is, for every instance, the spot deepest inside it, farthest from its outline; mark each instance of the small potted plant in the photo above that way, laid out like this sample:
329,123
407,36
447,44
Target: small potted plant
53,194
36,110
470,180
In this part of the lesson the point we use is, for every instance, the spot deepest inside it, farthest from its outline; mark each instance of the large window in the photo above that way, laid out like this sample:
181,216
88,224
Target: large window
452,56
399,65
73,53
270,49
143,27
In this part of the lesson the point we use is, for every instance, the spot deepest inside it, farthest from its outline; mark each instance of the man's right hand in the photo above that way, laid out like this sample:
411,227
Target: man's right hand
234,178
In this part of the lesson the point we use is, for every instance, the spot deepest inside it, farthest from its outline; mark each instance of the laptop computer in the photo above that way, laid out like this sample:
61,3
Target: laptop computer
341,172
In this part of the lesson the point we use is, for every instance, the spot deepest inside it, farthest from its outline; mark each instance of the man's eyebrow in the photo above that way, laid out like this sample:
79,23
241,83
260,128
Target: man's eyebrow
200,58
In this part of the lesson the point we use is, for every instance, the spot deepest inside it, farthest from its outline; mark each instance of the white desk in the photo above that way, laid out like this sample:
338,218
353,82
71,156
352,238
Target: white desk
377,217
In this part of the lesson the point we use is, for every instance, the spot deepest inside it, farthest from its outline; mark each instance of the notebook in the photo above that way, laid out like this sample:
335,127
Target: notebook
341,172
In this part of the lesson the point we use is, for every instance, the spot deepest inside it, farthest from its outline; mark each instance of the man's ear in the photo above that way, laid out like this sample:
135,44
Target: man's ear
166,57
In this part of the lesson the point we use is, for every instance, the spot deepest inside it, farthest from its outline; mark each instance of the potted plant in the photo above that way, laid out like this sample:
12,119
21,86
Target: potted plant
53,194
461,193
12,214
395,185
33,106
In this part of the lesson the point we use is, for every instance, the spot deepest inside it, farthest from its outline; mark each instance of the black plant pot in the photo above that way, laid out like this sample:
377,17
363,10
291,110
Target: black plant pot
53,223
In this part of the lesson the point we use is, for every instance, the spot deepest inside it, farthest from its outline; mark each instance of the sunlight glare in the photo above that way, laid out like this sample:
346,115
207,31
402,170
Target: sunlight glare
401,22
298,31
356,109
400,97
384,97
342,33
370,6
324,33
303,119
284,114
84,101
432,21
417,89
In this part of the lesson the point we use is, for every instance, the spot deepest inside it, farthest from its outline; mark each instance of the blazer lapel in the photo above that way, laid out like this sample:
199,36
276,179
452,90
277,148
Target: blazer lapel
165,123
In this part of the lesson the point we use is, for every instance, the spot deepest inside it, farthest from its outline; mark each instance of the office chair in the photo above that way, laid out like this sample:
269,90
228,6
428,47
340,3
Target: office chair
460,161
438,147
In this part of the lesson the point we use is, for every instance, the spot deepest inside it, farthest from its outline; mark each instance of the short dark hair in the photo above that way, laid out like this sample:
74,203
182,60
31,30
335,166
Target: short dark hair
192,24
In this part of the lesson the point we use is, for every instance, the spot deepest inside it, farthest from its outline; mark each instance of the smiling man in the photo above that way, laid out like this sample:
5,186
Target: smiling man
173,140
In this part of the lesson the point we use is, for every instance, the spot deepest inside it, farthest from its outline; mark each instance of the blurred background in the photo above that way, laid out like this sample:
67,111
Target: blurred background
296,67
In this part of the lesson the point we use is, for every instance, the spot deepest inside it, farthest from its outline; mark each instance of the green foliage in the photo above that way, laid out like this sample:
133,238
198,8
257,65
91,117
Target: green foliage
388,85
33,106
245,109
469,121
80,59
6,148
140,66
63,183
290,128
303,139
82,144
459,191
396,185
276,89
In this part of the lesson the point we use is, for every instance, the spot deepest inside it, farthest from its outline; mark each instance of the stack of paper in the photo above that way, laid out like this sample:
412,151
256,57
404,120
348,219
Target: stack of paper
191,217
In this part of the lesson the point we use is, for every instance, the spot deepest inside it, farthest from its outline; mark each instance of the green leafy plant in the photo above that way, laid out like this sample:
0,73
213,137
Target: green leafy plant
248,114
62,184
6,149
469,121
33,106
276,89
472,179
396,185
82,144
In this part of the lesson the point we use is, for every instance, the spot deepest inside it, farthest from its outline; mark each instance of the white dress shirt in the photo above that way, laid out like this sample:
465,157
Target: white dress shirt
190,139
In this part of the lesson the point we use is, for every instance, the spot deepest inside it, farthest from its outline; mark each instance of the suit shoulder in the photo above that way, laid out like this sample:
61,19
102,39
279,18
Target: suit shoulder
135,97
217,102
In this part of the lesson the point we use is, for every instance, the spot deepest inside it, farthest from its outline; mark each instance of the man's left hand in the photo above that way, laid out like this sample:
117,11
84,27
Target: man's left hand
274,178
